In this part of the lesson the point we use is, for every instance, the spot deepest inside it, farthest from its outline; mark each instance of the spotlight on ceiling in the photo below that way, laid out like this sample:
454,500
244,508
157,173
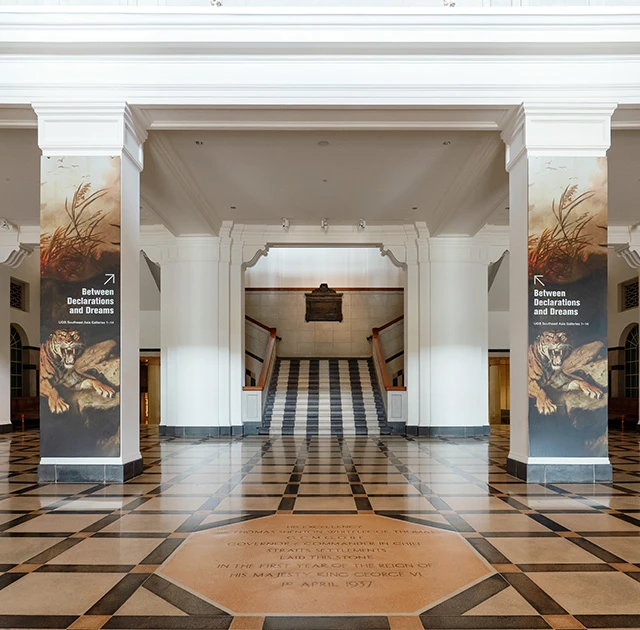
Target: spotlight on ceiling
362,224
285,224
324,224
323,143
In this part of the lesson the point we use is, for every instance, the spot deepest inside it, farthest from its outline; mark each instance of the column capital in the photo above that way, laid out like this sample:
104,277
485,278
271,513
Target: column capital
461,249
558,129
495,238
190,249
90,128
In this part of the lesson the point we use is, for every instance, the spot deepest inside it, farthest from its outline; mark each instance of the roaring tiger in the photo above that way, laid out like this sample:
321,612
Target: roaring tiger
58,356
546,355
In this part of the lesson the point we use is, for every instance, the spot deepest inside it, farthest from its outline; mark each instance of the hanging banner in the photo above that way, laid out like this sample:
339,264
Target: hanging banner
567,357
80,307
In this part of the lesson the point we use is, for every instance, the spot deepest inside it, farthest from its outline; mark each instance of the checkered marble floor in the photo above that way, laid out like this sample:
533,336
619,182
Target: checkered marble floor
87,556
324,397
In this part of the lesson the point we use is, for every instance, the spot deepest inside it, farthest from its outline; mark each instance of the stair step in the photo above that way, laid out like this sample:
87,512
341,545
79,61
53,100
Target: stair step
326,401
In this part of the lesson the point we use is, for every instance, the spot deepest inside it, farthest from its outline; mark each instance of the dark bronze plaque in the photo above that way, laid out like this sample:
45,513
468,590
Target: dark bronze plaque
323,305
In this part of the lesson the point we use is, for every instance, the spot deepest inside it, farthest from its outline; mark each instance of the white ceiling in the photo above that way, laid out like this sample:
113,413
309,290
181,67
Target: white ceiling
455,179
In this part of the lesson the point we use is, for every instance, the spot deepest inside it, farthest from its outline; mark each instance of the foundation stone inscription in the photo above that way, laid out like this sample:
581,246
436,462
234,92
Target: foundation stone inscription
325,564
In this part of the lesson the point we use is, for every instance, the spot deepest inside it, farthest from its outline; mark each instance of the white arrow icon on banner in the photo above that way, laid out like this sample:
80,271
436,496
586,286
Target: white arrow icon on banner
111,277
537,279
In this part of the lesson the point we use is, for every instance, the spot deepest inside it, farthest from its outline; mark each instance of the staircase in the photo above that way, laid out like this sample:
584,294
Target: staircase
324,397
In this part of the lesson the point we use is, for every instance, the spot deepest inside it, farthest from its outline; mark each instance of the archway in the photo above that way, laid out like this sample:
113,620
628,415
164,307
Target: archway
18,340
312,258
631,372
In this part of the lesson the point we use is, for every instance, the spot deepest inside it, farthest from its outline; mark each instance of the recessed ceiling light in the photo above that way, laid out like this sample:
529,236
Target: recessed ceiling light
414,208
232,207
323,143
447,143
199,143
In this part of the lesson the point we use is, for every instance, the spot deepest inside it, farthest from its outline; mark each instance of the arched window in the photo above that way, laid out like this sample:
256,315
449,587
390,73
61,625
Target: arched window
16,363
631,363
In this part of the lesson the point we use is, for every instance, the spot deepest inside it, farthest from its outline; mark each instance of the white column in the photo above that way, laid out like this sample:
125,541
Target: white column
544,141
85,134
236,336
459,336
190,330
224,354
5,352
412,338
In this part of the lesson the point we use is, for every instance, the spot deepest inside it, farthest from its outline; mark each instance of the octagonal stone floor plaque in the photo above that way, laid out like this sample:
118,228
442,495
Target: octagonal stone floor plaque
325,564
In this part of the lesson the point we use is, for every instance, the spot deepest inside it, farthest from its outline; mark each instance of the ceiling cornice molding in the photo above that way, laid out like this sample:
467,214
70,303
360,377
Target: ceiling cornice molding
167,219
618,234
178,170
461,94
153,238
315,236
501,201
188,28
478,162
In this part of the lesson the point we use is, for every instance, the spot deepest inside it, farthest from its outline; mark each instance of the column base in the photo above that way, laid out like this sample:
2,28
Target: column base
89,473
446,431
201,431
6,428
396,428
559,473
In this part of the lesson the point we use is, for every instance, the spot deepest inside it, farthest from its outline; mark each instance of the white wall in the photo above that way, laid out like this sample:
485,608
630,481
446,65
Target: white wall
150,330
362,311
339,267
499,330
619,271
459,322
499,308
29,272
149,308
5,354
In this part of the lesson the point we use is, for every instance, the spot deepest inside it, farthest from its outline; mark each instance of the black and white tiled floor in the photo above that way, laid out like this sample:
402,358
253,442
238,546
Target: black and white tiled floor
324,397
86,556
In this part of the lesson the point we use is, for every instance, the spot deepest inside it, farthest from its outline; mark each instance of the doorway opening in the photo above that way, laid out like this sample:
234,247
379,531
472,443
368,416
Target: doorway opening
335,318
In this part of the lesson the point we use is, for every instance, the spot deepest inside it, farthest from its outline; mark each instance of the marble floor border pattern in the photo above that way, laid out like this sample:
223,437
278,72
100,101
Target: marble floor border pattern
85,556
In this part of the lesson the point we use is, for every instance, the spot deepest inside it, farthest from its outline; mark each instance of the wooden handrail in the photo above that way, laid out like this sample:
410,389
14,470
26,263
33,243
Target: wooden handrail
268,357
379,357
391,323
257,323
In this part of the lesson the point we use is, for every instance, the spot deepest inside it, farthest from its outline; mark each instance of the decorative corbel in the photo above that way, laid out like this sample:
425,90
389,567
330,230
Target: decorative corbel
250,260
396,257
630,254
13,257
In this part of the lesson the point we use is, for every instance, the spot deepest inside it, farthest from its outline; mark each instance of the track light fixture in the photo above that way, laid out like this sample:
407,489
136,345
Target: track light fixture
362,224
324,224
285,224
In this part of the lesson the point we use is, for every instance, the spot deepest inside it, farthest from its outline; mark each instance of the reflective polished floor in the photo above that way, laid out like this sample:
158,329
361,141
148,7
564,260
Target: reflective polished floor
89,556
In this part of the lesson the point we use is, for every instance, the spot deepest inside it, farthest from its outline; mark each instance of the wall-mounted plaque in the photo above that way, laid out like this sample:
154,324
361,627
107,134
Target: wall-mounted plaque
323,305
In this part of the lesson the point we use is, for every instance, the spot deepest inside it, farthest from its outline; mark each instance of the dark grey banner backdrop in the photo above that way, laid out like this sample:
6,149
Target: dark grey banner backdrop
567,307
80,307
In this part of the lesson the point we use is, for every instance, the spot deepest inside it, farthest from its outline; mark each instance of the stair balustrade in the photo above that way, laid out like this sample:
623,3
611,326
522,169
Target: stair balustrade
261,341
387,346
